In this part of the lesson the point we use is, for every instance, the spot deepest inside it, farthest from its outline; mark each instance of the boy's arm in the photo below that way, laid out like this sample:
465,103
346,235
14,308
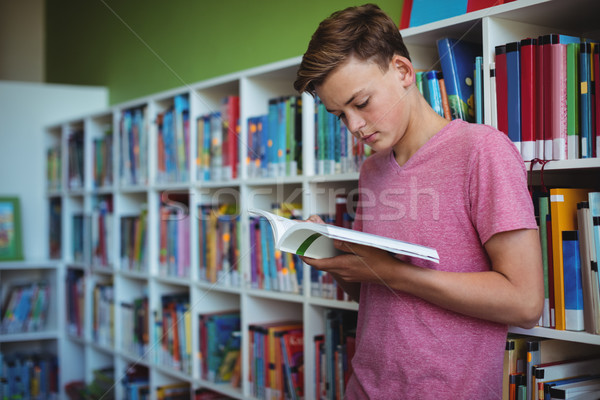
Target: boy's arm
511,293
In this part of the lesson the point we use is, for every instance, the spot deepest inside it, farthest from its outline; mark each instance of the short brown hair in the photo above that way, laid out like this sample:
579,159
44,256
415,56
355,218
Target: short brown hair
363,31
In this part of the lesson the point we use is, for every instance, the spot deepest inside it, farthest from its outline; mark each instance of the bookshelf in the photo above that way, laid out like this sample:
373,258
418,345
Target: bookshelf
137,186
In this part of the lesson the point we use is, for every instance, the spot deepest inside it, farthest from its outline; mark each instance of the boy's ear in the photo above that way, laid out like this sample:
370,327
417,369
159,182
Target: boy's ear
405,68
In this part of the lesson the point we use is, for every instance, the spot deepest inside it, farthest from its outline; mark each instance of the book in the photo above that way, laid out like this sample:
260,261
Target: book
563,209
478,78
513,92
573,283
573,128
457,58
585,91
563,369
316,240
588,279
501,89
589,387
528,100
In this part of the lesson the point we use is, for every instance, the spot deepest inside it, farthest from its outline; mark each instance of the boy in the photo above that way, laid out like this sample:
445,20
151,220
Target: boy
425,330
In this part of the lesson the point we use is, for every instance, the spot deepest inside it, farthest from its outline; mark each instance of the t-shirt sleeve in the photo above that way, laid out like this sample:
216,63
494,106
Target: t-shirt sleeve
500,200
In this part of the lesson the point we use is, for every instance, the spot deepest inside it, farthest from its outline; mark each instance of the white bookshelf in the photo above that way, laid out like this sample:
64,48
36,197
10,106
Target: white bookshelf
490,27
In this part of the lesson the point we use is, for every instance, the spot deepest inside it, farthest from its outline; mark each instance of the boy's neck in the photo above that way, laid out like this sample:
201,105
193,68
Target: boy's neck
424,124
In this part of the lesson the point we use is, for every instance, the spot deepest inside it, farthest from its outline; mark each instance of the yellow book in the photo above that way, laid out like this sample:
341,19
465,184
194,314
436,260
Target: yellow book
563,212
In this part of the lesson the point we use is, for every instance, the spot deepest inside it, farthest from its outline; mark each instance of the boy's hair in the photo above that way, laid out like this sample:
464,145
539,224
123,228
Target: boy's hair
365,32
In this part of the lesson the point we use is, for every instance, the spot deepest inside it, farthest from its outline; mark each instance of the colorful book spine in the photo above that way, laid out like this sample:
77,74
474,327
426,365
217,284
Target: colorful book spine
574,320
501,88
513,92
585,80
528,49
573,94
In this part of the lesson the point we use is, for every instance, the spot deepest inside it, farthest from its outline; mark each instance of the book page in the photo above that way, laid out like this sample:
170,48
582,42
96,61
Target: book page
278,224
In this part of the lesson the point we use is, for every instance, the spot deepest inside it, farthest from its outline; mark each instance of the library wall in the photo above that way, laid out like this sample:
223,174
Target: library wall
137,48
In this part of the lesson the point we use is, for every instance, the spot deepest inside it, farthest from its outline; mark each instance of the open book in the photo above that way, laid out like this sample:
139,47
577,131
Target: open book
316,240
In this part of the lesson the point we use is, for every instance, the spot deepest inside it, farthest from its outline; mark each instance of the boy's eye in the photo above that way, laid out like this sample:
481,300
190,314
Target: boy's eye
363,104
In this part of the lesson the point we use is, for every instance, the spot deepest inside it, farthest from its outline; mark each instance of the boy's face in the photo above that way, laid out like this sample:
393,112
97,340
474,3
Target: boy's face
371,103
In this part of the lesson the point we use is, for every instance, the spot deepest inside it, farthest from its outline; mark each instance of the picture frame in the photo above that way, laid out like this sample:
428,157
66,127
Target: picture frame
11,245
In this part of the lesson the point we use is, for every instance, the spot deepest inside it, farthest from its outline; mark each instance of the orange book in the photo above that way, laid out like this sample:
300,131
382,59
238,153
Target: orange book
563,211
444,94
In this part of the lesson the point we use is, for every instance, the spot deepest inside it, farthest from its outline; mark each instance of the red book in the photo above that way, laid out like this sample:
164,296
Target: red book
555,101
528,98
405,16
501,89
539,104
474,5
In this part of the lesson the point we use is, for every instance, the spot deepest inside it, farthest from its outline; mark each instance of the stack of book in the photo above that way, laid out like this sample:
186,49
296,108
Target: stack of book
545,95
173,142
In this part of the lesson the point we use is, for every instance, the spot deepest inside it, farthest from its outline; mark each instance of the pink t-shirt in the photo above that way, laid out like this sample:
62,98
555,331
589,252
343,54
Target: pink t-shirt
463,186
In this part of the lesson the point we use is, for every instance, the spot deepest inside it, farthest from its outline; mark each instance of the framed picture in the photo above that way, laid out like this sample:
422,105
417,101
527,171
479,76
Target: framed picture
10,229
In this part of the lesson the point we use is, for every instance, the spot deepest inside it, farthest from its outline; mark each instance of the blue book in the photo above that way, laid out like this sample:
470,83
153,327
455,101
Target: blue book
435,96
265,231
425,11
585,99
513,77
478,91
573,283
457,58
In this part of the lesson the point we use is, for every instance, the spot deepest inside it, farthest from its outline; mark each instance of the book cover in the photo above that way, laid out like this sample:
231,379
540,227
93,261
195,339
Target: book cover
573,93
585,91
528,100
457,58
501,88
478,90
426,11
544,211
574,320
563,209
589,281
316,240
513,92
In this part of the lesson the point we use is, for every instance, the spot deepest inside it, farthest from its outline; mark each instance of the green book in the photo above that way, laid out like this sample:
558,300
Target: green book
573,131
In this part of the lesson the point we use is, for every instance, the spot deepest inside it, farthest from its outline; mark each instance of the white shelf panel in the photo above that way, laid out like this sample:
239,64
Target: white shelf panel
571,336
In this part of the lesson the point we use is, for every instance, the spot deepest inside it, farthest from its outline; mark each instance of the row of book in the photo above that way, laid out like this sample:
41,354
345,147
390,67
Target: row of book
220,347
133,146
75,299
103,314
53,168
333,354
545,369
102,386
102,232
569,226
271,269
172,329
337,150
26,308
173,142
75,172
102,173
545,96
29,376
274,139
276,353
174,237
217,153
134,246
135,326
219,244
